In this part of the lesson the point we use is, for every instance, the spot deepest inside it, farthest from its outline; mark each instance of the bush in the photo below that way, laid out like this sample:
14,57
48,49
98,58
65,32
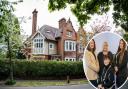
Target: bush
4,69
43,69
10,82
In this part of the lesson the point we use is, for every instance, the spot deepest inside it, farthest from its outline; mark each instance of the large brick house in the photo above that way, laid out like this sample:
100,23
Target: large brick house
50,43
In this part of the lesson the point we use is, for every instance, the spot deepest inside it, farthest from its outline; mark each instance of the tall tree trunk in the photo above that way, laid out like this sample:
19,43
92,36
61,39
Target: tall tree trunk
10,58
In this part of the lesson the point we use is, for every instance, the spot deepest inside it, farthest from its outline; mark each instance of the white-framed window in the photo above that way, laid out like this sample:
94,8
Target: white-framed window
69,33
51,45
38,44
70,45
70,59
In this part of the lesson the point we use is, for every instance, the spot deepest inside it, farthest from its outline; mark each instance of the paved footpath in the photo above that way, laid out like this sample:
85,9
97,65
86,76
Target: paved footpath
84,86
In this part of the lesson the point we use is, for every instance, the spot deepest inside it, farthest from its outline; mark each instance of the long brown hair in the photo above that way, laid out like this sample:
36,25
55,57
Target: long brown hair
121,52
92,50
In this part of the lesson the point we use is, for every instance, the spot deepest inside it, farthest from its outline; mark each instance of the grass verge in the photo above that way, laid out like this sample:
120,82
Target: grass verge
39,83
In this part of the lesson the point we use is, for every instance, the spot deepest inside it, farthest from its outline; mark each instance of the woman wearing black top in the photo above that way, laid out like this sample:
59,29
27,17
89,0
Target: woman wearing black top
121,63
106,80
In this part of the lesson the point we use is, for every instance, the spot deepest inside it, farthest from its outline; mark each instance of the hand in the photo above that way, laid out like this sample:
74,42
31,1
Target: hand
116,69
100,86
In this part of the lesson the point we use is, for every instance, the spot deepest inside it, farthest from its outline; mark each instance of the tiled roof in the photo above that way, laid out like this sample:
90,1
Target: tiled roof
50,33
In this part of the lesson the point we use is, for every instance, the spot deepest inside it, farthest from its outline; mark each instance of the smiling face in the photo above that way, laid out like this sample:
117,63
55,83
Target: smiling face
92,44
121,44
105,47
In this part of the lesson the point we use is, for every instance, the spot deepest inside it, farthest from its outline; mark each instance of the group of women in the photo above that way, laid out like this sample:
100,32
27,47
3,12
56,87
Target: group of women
106,70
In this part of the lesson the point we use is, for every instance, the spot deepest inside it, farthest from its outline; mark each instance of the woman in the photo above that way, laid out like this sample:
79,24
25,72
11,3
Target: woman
92,64
106,80
121,63
105,52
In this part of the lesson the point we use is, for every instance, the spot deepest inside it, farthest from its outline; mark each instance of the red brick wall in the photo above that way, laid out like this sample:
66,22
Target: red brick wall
66,27
34,22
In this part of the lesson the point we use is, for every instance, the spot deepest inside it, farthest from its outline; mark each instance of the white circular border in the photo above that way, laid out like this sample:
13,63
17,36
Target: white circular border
84,63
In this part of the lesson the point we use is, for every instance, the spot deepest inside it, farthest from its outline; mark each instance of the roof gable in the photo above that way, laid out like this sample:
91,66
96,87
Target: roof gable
32,37
49,32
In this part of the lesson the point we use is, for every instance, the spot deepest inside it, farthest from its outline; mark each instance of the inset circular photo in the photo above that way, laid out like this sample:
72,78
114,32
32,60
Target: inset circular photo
105,61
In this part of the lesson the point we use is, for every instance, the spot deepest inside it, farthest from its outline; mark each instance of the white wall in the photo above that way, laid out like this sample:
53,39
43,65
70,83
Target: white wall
51,51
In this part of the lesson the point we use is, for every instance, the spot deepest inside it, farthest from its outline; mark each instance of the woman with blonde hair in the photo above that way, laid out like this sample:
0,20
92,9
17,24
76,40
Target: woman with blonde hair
105,52
92,64
120,62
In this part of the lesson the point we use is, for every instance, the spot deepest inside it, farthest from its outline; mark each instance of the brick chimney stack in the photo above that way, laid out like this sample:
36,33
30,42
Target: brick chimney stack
34,22
62,23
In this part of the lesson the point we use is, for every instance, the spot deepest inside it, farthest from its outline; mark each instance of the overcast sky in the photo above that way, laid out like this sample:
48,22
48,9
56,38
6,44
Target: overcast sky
45,17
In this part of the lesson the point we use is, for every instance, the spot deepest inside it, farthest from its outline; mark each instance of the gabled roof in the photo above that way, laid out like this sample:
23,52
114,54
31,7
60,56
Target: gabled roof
51,33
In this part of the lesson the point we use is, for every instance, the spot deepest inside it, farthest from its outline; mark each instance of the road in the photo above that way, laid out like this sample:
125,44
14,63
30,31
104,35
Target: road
84,86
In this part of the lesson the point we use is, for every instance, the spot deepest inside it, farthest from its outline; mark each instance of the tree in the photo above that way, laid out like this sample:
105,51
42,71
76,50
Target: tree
120,14
101,24
83,9
10,30
9,24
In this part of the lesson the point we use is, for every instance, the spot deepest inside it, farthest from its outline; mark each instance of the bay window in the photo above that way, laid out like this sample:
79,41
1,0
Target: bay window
38,44
70,45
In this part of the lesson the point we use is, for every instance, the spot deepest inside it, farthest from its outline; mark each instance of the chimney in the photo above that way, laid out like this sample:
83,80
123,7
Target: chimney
62,23
34,22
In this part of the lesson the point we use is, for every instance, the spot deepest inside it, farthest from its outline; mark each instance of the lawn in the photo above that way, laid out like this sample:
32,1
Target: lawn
39,83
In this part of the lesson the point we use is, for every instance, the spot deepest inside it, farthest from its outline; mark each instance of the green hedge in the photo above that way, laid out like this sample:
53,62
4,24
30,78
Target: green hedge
42,69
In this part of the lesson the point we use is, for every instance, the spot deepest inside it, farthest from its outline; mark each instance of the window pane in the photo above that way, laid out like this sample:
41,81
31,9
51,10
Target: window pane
51,45
70,45
66,45
73,46
41,45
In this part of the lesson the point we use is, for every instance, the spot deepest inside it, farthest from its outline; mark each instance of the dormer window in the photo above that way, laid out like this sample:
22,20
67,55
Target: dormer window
69,33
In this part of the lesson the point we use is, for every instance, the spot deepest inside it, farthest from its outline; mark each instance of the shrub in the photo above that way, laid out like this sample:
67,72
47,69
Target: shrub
4,69
10,82
43,69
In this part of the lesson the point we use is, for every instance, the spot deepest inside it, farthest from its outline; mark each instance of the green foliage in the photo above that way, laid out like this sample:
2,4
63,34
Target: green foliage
126,37
82,9
9,26
120,14
10,82
4,69
43,69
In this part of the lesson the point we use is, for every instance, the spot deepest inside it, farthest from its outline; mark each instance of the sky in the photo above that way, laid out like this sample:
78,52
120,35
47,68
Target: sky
50,18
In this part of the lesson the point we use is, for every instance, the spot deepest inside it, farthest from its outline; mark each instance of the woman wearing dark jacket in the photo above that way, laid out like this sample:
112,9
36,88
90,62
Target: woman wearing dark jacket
121,63
106,80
